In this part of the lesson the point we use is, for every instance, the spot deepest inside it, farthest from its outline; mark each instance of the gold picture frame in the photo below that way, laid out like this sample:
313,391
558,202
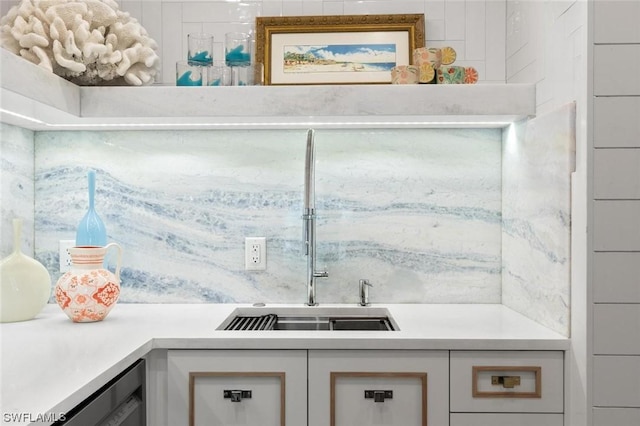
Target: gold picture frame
358,49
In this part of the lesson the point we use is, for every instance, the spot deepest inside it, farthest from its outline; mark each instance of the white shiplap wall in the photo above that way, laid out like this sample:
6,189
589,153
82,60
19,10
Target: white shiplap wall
615,219
475,28
546,44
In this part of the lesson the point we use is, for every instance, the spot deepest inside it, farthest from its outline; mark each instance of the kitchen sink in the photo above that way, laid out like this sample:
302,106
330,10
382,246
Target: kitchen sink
309,319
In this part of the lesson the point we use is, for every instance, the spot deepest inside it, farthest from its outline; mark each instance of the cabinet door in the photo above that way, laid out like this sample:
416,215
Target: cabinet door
495,419
235,387
386,388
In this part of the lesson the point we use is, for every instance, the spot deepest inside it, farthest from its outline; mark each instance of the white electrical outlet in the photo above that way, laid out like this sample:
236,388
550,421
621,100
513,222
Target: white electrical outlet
65,257
255,253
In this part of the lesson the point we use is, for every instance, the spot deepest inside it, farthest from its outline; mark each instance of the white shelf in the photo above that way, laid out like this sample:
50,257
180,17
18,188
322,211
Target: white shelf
36,99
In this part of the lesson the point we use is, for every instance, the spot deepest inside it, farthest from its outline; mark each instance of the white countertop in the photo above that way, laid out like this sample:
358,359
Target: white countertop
50,364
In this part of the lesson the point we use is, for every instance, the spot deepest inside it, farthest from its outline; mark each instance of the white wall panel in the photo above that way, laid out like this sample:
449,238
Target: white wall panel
616,381
616,416
616,225
616,277
616,122
616,329
616,68
617,173
617,21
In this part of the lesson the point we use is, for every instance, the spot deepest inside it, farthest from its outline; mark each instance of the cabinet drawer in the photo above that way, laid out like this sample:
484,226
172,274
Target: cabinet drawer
617,173
616,123
341,383
507,381
224,387
493,419
616,381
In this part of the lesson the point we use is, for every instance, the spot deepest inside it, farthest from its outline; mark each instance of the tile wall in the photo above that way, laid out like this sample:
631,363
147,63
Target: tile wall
474,28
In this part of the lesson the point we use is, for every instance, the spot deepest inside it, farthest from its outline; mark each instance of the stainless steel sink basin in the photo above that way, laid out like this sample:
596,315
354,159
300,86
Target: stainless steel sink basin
308,319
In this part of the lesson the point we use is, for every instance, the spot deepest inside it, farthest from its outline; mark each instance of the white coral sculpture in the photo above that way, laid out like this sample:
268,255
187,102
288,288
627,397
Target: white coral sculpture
89,42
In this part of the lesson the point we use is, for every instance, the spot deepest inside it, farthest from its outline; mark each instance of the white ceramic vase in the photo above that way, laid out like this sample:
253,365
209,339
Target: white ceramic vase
25,283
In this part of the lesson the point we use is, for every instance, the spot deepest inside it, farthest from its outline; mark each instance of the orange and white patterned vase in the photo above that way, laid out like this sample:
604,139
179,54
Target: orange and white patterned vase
88,292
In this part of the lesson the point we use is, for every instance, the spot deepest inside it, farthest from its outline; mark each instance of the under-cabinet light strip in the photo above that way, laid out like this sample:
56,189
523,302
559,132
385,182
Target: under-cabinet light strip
264,124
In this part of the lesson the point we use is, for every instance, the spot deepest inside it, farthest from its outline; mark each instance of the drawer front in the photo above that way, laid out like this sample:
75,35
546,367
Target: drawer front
625,320
507,381
616,225
494,419
625,57
616,21
616,277
378,398
617,173
616,123
616,416
616,381
416,382
225,387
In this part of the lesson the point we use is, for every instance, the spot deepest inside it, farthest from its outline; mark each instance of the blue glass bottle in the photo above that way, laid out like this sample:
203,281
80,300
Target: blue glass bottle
91,230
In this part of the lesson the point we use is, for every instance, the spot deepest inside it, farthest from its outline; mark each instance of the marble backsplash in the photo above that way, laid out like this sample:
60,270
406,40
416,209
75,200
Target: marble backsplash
16,187
538,159
417,212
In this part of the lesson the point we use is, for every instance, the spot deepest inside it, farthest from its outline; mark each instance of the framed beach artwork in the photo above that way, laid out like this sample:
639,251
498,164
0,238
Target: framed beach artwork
336,49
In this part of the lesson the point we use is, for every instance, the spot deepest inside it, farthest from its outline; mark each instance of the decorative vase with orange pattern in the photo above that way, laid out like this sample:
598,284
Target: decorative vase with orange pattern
89,291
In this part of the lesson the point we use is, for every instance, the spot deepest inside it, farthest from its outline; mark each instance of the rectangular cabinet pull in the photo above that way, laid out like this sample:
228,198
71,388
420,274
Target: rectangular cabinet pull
378,395
507,382
236,395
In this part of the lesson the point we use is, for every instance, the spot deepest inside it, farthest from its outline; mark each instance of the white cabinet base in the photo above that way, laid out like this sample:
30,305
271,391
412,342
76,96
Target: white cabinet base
502,419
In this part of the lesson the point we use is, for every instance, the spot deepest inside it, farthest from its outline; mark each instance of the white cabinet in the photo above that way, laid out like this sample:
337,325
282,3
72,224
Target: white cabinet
386,388
503,419
237,387
364,387
523,382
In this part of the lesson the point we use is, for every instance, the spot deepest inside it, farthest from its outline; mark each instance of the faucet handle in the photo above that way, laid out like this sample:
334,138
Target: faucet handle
364,292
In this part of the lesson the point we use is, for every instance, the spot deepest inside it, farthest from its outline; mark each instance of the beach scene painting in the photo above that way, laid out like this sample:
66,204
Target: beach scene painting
329,58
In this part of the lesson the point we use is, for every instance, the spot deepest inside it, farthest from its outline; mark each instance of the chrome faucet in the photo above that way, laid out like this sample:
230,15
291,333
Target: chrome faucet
309,221
363,292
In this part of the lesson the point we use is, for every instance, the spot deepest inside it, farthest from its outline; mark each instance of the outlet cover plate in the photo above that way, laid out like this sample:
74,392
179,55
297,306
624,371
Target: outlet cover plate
65,257
255,253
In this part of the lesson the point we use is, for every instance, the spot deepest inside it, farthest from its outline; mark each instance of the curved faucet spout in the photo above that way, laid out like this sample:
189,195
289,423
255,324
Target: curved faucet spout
310,172
309,220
